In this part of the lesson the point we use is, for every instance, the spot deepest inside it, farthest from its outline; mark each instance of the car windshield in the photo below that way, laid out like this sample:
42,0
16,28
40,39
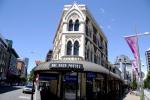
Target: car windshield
29,86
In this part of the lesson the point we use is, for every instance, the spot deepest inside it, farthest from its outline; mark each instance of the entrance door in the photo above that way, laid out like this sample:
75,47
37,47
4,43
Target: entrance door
48,86
89,85
70,86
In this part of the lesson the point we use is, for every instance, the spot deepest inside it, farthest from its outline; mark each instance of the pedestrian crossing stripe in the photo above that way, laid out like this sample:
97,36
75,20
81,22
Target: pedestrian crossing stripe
24,97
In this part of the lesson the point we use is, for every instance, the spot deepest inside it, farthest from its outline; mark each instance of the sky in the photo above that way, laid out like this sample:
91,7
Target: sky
32,24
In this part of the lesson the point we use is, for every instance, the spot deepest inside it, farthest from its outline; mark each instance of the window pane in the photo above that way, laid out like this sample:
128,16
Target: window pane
76,26
69,48
70,28
76,48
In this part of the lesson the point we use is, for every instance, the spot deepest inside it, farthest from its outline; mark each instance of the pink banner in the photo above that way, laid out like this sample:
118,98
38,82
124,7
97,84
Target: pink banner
132,42
135,67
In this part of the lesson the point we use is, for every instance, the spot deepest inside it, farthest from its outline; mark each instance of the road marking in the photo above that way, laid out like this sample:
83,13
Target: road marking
24,97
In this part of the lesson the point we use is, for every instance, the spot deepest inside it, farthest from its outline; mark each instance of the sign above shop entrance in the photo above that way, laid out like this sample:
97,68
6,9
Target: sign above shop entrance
66,66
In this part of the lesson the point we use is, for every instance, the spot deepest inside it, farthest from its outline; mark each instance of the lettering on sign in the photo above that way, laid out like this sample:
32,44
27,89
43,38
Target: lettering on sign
66,66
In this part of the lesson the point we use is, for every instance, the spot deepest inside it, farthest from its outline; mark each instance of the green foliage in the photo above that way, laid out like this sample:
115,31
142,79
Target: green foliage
147,81
134,84
23,79
142,96
32,76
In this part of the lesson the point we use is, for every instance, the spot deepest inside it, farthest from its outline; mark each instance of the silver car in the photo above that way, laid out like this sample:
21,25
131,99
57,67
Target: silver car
28,89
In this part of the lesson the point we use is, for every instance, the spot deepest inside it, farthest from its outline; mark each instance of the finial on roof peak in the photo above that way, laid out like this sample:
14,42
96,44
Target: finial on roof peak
74,2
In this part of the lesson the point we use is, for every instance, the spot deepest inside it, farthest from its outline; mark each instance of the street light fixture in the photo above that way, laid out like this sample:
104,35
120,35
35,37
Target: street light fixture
147,33
140,34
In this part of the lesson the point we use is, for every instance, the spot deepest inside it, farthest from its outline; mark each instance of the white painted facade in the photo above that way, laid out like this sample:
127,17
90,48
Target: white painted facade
91,39
125,66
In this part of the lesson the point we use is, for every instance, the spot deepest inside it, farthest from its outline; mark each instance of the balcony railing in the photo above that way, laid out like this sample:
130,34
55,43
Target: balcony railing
72,57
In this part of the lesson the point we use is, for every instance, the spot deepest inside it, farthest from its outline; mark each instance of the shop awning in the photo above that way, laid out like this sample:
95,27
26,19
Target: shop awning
79,65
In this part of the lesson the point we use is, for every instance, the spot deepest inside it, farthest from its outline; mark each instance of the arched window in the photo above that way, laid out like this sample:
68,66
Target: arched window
88,54
76,25
76,48
70,27
69,48
91,56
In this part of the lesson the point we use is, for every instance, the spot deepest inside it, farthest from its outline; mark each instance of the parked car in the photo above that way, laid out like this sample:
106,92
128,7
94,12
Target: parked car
28,89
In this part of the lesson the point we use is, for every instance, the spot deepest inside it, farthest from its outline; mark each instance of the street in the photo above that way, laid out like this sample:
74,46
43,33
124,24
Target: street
13,93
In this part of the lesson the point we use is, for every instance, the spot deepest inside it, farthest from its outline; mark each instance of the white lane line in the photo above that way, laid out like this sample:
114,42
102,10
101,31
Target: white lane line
24,97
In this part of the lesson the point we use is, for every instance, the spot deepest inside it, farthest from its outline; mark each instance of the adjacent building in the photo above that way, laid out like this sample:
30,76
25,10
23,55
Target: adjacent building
4,59
148,59
79,67
125,66
12,73
21,66
26,61
49,55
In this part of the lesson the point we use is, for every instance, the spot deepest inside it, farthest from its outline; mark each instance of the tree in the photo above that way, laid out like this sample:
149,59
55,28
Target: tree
32,76
147,81
134,84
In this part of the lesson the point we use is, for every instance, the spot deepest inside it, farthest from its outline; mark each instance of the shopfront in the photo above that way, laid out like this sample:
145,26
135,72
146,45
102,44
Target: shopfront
71,81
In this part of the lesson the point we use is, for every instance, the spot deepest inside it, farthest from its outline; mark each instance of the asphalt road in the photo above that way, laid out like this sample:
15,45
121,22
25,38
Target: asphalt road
13,93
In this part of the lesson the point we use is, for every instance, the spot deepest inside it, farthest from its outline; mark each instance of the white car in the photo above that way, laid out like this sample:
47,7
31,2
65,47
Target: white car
28,89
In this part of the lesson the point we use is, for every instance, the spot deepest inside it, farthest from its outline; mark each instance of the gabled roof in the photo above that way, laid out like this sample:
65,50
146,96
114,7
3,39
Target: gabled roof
66,11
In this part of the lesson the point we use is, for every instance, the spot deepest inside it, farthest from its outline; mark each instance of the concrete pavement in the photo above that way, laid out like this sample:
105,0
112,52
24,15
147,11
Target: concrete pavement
11,93
131,97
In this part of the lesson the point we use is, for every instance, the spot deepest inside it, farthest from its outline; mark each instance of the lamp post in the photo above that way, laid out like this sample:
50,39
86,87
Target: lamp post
139,61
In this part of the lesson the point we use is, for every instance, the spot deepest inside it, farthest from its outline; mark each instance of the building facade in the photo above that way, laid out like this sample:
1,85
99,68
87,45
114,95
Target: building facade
12,74
125,66
21,66
79,69
4,59
49,55
147,54
79,37
26,61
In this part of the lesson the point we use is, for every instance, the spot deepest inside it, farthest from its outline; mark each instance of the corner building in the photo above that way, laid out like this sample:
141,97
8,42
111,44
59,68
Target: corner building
79,69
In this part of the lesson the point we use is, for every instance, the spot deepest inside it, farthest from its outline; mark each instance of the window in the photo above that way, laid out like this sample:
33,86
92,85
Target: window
91,56
95,59
88,54
69,48
76,48
76,26
86,26
70,28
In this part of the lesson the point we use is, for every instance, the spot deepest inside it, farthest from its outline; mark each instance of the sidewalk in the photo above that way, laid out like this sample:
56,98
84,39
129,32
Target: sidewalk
131,97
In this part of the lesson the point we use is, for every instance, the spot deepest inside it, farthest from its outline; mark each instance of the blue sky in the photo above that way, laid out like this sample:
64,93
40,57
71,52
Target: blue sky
31,24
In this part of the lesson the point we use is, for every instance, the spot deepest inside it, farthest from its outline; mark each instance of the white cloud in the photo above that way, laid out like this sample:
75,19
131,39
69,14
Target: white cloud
102,10
112,20
109,26
101,26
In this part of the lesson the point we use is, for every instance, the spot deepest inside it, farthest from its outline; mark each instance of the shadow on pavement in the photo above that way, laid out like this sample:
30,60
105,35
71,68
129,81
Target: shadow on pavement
4,89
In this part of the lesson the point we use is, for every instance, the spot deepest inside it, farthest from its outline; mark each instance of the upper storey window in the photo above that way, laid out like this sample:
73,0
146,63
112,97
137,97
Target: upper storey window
73,26
76,25
69,48
76,48
70,28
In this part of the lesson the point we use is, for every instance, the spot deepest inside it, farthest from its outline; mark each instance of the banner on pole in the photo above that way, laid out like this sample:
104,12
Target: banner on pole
135,67
132,42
